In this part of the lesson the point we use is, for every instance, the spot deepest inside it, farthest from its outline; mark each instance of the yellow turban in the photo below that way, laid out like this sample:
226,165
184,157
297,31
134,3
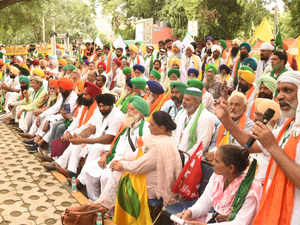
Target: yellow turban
175,61
134,48
38,72
262,104
62,62
247,74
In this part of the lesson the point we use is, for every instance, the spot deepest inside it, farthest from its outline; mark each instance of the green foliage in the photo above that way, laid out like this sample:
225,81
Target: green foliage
225,19
292,25
22,22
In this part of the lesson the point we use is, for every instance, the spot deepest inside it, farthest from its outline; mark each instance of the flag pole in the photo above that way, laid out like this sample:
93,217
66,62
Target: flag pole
276,19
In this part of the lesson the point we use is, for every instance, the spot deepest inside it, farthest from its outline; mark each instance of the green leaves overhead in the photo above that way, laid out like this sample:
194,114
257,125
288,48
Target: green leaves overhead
22,22
225,19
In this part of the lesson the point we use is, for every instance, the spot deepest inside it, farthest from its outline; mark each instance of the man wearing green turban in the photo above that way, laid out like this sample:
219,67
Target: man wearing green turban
174,105
174,74
195,124
210,82
126,146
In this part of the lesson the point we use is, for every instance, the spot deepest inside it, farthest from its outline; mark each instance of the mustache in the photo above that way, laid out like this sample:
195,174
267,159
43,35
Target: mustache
284,103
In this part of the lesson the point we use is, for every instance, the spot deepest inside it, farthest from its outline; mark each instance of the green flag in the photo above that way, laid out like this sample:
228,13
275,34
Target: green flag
278,39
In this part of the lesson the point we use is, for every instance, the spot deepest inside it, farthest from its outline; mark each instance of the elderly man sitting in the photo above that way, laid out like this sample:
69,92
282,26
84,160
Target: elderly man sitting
34,99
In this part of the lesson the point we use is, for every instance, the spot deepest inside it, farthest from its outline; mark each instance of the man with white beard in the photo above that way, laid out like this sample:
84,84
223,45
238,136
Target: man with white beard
282,193
123,147
195,124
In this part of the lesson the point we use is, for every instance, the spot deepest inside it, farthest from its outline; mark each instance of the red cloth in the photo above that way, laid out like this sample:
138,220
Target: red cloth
117,61
53,83
35,62
92,89
66,84
101,63
58,147
190,177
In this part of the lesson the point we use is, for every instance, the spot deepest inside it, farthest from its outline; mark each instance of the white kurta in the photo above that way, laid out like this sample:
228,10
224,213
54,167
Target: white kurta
189,62
11,97
263,67
205,129
109,179
67,160
53,113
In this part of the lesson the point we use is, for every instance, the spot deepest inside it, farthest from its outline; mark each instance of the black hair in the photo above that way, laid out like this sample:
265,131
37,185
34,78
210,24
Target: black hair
106,99
168,40
103,78
157,60
235,155
281,55
161,42
162,118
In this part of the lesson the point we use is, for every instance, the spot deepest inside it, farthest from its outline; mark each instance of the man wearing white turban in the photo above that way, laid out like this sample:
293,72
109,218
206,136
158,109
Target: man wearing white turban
282,193
190,60
216,58
264,64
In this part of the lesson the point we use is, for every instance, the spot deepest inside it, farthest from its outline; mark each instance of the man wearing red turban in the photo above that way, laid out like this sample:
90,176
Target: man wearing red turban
83,125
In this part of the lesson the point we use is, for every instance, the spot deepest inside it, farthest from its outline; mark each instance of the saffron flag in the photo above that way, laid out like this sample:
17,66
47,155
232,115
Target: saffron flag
131,206
263,32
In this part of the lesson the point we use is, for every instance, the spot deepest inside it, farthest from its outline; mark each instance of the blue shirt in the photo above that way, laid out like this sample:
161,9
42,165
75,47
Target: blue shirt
171,108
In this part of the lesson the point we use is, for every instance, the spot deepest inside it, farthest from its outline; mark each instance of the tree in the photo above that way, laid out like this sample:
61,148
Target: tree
6,3
222,18
21,23
293,7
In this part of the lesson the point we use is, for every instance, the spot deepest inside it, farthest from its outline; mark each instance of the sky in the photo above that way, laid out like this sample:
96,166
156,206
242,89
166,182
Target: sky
273,3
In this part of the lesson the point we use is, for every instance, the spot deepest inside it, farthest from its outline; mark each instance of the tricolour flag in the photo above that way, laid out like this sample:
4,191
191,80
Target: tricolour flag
131,206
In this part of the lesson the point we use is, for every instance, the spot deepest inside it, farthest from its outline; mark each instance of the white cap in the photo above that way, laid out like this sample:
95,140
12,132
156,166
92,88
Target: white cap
266,46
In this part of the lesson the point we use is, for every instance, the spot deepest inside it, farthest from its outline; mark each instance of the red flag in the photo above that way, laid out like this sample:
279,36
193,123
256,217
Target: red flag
190,177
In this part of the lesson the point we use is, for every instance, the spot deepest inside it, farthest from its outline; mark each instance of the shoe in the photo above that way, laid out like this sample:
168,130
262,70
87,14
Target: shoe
12,122
43,156
50,166
29,142
32,148
26,135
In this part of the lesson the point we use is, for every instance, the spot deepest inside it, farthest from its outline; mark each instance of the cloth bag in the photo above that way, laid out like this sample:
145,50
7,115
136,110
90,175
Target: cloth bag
81,215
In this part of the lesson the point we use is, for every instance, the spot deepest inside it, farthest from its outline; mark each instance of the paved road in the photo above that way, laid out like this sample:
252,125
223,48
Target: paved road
28,194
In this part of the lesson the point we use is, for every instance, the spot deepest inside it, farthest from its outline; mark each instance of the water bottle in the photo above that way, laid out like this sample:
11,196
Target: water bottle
74,184
99,219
